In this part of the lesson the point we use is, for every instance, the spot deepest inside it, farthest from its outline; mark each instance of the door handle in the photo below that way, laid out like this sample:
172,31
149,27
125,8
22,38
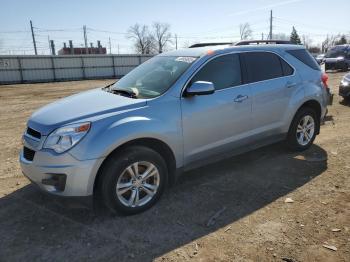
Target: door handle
240,98
290,84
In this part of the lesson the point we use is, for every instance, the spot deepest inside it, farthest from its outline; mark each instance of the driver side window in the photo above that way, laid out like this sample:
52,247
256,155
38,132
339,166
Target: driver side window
223,72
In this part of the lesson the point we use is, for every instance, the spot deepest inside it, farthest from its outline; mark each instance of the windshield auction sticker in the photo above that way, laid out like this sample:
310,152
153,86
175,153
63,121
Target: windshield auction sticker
186,59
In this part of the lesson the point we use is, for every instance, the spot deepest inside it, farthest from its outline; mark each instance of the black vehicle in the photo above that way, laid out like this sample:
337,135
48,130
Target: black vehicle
319,58
338,57
344,87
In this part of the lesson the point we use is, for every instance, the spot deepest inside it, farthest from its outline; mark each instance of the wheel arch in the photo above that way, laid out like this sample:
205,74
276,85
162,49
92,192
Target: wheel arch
155,144
315,105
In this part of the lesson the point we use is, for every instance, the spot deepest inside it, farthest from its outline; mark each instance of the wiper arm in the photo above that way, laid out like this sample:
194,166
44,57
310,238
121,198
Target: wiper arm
124,92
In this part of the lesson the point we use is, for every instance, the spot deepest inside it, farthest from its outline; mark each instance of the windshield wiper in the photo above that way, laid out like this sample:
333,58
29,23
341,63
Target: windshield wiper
123,92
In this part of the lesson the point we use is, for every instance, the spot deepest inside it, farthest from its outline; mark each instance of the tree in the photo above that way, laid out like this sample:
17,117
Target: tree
161,35
143,39
329,42
294,37
307,41
341,41
314,49
244,31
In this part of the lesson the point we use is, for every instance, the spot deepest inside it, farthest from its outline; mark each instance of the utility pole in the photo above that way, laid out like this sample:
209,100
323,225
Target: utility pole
176,42
33,36
118,49
262,36
110,46
85,40
48,40
270,36
52,47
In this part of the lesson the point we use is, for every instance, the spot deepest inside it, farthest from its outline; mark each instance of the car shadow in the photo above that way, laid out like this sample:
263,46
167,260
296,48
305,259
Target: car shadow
38,227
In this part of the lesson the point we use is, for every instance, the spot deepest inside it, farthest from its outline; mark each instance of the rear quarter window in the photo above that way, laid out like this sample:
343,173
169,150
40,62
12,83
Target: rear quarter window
287,69
305,57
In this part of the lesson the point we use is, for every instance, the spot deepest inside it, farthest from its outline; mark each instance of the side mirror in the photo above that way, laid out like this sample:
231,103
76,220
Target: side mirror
200,88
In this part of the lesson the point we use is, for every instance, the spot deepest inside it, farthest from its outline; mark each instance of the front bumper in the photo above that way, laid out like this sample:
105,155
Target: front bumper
60,174
344,91
335,65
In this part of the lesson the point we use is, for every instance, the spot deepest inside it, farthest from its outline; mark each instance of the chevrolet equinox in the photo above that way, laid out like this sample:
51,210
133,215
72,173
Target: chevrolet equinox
127,141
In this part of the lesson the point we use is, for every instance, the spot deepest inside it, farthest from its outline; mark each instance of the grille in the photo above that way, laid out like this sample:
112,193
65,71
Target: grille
33,133
28,154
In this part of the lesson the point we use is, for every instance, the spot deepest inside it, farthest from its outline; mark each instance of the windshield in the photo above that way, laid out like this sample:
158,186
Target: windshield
155,76
336,52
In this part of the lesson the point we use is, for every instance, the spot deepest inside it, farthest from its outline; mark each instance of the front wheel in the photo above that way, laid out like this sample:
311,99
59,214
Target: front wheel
133,181
303,129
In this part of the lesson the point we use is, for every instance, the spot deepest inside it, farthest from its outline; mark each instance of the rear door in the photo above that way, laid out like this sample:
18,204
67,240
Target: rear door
272,81
215,123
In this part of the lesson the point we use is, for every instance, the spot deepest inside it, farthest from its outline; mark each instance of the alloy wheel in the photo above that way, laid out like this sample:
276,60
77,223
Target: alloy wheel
305,130
138,184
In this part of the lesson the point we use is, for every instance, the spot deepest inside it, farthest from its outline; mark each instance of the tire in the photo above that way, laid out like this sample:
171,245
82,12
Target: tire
300,139
345,68
119,170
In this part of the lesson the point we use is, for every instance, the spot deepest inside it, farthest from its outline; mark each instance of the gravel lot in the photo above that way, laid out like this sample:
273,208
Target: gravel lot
256,224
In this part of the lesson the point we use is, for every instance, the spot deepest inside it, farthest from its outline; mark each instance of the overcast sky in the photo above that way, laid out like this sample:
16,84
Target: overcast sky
192,20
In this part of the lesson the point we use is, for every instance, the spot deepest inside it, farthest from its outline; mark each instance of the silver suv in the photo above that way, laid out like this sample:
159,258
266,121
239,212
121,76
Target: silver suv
126,142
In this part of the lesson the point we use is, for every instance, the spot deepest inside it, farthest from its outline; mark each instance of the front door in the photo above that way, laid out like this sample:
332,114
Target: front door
215,123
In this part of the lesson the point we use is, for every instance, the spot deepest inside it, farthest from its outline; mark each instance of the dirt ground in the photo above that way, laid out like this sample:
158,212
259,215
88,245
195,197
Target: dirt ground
253,224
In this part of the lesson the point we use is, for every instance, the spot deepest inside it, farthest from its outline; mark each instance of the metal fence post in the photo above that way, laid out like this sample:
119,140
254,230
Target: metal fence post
53,68
20,68
83,67
140,60
113,64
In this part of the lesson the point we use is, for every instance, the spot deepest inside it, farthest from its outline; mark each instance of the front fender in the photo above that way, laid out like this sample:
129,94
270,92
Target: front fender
106,135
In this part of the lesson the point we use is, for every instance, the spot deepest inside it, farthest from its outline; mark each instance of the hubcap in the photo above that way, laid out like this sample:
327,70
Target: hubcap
305,130
138,184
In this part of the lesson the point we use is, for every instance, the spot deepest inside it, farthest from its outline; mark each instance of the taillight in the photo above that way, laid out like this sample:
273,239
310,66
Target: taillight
324,79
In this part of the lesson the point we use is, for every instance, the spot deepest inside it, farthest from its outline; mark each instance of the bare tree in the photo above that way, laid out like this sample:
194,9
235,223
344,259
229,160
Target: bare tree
142,37
329,42
161,35
307,41
244,31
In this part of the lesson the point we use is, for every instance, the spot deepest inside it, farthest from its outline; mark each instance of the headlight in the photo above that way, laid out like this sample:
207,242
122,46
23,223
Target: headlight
64,138
344,82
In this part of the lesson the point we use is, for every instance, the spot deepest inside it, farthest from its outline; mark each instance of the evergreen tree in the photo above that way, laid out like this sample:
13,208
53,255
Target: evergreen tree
294,37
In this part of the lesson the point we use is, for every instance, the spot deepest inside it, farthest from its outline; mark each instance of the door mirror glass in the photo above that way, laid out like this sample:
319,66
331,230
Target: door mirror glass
200,88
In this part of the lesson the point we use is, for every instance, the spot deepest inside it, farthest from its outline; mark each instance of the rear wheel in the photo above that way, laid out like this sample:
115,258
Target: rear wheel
133,181
303,129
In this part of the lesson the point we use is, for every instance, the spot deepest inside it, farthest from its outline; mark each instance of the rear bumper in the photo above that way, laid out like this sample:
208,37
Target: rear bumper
330,98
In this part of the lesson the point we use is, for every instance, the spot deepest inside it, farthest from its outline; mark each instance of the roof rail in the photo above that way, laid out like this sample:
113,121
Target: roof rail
209,44
257,42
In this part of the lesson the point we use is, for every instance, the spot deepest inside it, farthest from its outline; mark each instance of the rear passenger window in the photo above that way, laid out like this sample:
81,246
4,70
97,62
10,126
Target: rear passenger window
223,72
305,57
262,66
287,69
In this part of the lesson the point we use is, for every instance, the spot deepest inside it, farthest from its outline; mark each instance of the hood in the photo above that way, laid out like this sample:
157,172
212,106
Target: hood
79,107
